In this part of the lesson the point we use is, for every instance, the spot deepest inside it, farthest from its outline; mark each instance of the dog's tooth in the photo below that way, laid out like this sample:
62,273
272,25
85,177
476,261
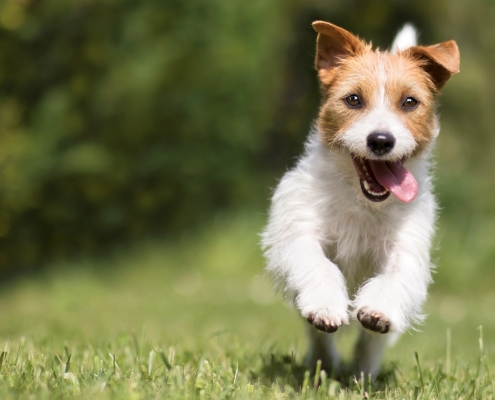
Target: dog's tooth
379,194
366,185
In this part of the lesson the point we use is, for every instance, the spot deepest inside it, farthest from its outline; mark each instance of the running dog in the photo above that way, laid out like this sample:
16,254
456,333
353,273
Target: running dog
351,225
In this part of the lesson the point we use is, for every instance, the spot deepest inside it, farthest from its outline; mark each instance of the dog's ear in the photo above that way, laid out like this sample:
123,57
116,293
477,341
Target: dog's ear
332,46
440,61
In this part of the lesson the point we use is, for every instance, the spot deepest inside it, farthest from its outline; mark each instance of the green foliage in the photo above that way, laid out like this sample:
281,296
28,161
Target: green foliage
122,119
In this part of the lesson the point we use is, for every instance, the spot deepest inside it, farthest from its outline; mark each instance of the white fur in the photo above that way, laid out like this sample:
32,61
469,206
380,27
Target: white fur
407,37
326,244
333,252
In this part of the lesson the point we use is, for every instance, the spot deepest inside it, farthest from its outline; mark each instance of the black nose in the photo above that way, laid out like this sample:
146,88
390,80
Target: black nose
380,143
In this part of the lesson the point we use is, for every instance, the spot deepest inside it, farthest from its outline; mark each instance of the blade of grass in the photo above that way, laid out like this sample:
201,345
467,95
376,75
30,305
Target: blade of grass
419,370
164,360
449,352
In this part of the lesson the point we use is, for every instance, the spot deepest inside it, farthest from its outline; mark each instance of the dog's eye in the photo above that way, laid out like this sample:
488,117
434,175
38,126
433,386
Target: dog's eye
410,103
353,101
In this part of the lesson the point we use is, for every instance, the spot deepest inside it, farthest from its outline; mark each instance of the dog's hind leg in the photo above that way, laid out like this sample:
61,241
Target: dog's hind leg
322,347
369,350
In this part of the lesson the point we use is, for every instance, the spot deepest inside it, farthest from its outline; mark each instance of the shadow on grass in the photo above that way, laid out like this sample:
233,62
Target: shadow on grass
286,371
283,369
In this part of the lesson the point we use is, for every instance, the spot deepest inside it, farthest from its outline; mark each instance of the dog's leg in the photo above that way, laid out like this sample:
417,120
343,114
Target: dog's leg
393,299
368,352
312,282
321,347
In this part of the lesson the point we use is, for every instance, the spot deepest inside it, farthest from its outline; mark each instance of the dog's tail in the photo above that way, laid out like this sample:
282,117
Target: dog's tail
407,37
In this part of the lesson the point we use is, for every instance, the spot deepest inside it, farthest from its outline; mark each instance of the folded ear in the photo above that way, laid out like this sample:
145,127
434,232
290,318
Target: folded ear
441,60
334,44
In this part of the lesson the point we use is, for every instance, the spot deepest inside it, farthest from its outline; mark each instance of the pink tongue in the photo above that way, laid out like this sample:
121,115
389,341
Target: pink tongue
397,179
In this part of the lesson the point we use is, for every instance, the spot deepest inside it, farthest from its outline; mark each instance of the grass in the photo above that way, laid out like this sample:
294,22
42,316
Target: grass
194,318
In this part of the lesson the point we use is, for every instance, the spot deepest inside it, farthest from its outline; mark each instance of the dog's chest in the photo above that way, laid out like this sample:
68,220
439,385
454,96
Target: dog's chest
357,243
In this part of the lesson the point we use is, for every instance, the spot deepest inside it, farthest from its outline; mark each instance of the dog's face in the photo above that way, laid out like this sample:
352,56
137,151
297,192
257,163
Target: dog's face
379,107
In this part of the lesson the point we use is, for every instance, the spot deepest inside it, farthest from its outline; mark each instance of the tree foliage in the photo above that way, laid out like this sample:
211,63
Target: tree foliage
120,119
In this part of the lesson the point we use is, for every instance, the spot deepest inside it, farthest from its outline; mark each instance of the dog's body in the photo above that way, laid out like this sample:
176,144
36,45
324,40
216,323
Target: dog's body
338,243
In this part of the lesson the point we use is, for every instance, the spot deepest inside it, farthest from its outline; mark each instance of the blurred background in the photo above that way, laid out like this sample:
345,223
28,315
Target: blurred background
126,123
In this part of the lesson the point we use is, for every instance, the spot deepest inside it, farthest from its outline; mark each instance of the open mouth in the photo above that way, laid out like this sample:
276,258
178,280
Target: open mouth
380,178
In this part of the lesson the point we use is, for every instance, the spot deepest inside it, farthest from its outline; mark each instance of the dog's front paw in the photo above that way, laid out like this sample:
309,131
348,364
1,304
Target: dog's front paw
373,320
327,312
325,321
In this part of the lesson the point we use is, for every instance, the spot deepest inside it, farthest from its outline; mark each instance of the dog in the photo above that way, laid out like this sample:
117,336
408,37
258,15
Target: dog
350,226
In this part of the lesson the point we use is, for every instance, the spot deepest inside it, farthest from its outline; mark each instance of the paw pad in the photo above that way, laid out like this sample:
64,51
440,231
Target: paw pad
374,321
322,323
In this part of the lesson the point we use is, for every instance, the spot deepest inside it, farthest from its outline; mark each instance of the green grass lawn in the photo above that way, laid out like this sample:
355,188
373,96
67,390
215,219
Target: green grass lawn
194,317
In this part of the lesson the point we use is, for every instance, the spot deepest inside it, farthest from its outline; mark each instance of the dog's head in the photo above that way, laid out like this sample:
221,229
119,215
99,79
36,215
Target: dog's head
379,106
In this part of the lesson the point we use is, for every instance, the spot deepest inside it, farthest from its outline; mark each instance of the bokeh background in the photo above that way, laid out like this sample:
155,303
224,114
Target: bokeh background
142,139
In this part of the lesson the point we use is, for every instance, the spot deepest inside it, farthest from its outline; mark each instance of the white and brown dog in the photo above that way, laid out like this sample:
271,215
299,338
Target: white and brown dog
351,225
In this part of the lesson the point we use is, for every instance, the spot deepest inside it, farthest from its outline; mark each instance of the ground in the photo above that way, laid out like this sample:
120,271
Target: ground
194,317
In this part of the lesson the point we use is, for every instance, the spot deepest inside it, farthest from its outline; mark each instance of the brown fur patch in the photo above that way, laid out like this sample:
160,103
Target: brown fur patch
440,61
335,43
